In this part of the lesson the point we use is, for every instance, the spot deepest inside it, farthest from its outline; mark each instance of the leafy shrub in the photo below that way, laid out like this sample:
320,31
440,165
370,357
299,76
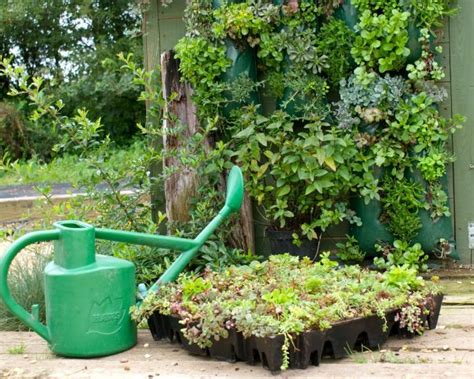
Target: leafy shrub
243,22
335,40
109,95
299,176
200,61
12,132
402,200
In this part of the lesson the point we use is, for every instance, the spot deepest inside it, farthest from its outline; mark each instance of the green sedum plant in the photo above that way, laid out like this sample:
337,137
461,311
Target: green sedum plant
284,296
382,39
401,254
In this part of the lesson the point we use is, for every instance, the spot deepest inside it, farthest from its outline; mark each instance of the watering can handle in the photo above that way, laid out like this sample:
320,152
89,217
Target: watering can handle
5,262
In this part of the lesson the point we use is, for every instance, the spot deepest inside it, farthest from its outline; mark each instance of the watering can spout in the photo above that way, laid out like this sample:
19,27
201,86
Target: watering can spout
233,202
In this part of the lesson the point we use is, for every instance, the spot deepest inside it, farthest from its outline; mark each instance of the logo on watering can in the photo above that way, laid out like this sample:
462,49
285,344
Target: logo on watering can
106,316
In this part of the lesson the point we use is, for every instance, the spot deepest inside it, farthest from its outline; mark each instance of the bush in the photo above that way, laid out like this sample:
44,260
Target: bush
12,131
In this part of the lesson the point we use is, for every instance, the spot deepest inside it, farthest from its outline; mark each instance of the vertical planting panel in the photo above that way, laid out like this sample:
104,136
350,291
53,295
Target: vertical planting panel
163,26
462,101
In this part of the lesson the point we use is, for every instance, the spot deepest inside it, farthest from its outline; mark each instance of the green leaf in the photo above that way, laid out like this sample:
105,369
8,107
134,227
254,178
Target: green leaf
262,139
330,163
313,187
247,132
285,190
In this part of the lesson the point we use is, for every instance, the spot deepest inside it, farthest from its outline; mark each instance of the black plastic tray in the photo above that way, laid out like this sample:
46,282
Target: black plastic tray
308,348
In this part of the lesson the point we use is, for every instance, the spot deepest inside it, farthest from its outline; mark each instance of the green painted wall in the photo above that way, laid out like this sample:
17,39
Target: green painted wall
461,31
163,27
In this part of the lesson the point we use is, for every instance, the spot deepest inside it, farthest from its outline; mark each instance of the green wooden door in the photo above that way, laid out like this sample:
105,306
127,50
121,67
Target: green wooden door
163,27
461,30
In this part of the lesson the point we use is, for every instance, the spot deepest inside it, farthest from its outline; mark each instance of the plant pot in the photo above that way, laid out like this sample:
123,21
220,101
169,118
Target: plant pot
218,3
436,301
281,241
430,320
347,13
372,231
432,231
243,61
243,64
413,44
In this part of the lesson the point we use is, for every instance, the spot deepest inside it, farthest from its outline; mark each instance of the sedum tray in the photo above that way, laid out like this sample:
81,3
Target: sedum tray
308,348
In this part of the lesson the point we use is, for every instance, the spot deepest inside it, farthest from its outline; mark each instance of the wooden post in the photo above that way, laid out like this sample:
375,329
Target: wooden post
180,124
243,235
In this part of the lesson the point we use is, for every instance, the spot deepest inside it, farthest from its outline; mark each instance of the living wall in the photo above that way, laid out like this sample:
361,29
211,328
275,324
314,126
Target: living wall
331,109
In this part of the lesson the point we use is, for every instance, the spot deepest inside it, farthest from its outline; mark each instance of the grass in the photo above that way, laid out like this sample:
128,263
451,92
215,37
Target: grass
65,169
25,281
18,349
383,356
458,286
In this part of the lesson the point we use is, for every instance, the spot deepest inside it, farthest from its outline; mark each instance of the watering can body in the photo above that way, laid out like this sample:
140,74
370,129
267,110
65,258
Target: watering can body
88,296
88,307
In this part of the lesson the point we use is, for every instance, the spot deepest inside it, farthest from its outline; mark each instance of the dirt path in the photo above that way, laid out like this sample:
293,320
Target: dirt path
445,352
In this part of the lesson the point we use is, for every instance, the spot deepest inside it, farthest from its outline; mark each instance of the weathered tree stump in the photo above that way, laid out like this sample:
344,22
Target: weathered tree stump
180,124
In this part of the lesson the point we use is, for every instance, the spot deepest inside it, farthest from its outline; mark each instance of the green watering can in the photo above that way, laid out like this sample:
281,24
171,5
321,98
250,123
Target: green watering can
88,296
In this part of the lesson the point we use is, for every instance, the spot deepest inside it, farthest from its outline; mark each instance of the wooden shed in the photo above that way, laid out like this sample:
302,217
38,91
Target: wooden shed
163,26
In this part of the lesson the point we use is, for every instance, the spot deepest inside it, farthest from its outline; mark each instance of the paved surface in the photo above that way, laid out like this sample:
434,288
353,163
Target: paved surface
18,202
445,352
31,190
